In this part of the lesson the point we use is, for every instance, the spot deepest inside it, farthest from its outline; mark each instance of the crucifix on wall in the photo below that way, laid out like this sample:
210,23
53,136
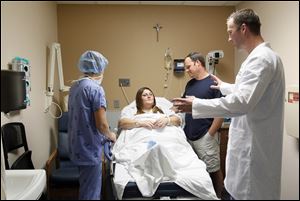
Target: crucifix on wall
157,27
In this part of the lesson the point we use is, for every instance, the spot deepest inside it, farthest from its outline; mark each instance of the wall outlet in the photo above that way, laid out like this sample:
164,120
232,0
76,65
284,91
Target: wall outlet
124,82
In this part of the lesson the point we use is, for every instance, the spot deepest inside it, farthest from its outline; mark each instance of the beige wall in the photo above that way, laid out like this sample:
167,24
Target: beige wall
280,27
125,35
26,30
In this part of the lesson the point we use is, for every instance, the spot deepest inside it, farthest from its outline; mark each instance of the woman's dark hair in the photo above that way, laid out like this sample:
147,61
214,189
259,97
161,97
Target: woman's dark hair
139,102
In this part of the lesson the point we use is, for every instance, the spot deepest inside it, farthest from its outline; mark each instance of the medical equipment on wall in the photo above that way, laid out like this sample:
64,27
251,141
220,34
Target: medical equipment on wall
179,66
168,59
55,52
168,63
292,110
212,58
22,64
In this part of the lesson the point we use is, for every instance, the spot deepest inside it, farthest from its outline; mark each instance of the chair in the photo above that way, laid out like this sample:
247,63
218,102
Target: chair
62,174
14,137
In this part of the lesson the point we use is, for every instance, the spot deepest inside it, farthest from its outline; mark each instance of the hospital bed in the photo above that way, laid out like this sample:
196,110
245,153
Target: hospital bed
157,163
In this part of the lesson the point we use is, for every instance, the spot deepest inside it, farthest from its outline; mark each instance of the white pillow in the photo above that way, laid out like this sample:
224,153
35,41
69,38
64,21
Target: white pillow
130,110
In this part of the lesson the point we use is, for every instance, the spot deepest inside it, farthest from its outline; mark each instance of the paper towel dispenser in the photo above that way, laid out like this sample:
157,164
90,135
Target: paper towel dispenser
13,90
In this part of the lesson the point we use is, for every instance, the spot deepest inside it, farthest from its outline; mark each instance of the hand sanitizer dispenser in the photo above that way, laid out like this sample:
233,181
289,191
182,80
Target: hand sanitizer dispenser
292,110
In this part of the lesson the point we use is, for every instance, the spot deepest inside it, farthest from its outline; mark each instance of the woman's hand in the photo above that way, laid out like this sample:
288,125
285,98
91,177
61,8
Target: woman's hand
161,122
146,124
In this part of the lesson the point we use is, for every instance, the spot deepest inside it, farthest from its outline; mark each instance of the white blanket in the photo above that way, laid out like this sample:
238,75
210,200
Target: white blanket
150,157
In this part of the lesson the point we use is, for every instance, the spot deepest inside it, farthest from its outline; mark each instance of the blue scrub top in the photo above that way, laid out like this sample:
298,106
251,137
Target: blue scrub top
85,140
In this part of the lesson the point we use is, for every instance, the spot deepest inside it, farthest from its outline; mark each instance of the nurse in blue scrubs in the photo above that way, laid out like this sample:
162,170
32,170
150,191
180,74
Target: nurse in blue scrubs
88,128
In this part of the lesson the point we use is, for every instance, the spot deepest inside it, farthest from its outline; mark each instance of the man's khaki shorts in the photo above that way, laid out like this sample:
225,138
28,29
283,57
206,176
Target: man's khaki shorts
207,148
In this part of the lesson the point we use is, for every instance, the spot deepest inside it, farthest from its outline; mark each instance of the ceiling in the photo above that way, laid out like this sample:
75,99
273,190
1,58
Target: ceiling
186,3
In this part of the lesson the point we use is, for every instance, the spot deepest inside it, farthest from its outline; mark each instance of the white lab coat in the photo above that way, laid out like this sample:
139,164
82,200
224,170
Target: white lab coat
256,104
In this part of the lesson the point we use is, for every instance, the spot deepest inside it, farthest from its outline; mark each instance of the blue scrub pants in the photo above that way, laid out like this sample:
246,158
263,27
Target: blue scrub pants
90,180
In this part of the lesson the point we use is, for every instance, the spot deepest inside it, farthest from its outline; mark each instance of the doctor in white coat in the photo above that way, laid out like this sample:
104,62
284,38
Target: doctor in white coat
256,104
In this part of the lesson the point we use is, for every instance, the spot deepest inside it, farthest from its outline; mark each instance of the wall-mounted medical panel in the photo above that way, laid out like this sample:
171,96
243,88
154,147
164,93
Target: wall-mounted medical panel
179,66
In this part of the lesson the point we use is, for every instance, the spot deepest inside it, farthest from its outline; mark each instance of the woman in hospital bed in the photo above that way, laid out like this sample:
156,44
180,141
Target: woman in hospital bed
146,104
152,148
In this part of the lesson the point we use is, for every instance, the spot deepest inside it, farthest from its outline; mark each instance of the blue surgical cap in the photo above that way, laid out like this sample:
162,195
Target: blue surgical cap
92,62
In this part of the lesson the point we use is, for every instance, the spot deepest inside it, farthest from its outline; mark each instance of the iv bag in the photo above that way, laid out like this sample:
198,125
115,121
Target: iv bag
168,59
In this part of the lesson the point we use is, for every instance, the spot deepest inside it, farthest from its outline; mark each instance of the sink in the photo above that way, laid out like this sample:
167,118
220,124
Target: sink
25,184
